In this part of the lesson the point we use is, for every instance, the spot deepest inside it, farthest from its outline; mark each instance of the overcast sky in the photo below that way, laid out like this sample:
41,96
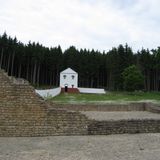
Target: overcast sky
98,24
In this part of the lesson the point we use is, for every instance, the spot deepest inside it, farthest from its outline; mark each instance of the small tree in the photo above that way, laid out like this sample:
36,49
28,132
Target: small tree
132,79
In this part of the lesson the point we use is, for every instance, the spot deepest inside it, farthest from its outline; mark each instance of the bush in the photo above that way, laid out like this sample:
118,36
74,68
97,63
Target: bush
132,79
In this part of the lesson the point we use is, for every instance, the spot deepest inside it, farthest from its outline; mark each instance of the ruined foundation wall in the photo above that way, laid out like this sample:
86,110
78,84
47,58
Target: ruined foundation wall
124,126
104,107
23,113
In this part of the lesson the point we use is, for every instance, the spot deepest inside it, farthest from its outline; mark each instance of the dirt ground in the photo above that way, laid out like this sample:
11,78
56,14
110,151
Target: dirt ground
120,115
110,147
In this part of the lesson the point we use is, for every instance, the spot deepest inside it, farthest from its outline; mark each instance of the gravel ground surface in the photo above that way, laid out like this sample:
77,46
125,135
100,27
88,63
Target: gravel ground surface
120,115
111,147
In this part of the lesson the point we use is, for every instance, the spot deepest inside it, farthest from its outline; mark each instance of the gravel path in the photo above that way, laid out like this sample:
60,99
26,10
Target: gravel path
112,147
120,115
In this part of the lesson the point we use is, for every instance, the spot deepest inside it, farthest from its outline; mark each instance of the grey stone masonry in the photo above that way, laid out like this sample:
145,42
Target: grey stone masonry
124,126
23,113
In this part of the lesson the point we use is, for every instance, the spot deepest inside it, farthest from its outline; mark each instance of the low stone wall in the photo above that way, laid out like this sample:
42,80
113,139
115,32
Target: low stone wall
124,126
150,107
137,106
92,90
103,108
129,126
46,93
68,123
35,122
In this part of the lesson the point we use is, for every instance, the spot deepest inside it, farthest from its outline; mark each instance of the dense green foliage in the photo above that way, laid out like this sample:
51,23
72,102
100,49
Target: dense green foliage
41,65
132,79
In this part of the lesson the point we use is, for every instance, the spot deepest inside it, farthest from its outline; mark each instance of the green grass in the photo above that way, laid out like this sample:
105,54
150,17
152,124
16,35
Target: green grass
110,97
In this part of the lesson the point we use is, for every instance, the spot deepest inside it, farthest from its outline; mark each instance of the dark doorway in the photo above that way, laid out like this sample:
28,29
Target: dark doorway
66,89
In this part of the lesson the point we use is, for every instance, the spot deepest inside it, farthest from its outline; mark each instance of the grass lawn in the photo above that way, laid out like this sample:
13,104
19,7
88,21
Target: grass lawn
110,97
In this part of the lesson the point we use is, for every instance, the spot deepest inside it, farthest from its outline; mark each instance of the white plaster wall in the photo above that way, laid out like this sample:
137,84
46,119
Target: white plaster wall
68,80
49,92
92,90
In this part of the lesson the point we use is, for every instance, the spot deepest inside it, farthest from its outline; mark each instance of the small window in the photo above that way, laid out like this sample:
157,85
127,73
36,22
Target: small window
64,76
72,76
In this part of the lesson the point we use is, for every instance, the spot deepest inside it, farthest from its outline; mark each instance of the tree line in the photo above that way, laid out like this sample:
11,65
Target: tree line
42,65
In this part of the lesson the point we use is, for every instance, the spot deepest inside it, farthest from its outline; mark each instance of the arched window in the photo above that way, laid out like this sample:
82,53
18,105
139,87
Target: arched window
64,76
73,76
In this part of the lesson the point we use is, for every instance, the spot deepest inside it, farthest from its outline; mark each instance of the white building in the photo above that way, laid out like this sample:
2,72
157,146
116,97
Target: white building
69,80
68,83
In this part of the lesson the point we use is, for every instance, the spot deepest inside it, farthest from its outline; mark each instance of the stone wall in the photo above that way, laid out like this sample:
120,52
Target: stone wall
124,126
103,107
136,106
23,113
56,122
150,107
130,126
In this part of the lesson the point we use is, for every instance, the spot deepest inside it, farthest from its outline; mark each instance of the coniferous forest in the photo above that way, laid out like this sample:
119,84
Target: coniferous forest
41,65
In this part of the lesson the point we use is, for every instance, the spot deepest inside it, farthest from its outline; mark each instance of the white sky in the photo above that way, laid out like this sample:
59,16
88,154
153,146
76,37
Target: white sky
98,24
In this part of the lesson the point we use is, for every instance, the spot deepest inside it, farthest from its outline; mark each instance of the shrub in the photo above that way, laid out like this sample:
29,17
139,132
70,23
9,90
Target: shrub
132,79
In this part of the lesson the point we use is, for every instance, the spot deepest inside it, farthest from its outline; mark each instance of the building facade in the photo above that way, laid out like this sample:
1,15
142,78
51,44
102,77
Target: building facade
69,80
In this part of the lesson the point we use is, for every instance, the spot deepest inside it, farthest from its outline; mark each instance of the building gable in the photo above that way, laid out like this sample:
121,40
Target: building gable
68,71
